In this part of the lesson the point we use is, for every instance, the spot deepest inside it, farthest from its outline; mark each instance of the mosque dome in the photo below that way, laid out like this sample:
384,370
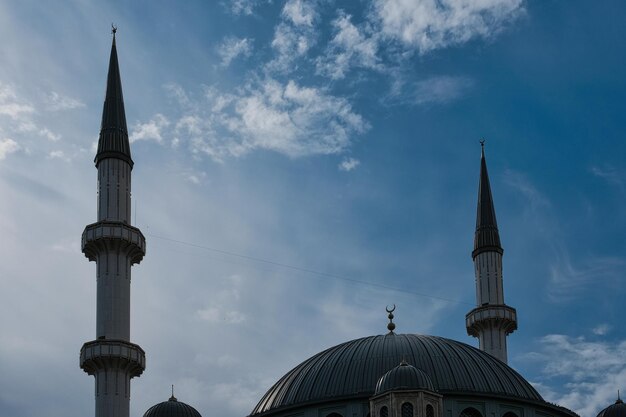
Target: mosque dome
172,408
404,377
614,410
351,370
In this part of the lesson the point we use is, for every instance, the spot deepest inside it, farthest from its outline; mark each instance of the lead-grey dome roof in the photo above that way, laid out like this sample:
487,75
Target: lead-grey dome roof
614,410
351,370
172,408
404,377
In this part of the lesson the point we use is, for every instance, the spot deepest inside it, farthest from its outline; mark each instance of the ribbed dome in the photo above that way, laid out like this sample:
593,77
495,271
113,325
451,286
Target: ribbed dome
404,377
172,408
352,369
614,410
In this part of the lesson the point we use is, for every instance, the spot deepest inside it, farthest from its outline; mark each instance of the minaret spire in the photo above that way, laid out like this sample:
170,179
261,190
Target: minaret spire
113,141
486,237
115,246
492,320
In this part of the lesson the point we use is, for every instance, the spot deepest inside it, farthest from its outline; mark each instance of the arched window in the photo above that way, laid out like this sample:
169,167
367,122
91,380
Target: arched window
430,411
470,412
384,412
407,410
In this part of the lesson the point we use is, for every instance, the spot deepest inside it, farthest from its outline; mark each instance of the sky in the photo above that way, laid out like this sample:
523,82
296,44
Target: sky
299,166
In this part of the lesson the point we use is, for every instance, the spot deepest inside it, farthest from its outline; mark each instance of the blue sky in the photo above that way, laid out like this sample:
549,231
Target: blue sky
272,138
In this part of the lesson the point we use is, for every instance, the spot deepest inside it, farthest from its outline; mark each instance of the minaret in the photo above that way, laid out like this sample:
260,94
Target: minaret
115,246
492,320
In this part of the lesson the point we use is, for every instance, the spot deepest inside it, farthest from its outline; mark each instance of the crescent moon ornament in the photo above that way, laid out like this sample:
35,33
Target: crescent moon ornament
390,310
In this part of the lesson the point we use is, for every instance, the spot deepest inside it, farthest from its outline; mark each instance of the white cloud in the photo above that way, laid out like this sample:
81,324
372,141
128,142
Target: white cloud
349,164
432,24
283,117
10,105
8,146
601,329
294,35
58,102
593,371
299,12
58,154
232,48
51,136
440,89
244,7
151,130
349,47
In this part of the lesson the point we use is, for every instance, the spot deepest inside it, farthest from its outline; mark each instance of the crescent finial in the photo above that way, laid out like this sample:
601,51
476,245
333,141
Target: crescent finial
391,325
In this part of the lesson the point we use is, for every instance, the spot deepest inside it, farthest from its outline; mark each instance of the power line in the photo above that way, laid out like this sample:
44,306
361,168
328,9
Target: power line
306,270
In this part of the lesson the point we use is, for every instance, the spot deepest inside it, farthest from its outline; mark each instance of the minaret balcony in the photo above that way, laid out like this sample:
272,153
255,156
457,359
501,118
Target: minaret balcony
112,354
491,315
105,235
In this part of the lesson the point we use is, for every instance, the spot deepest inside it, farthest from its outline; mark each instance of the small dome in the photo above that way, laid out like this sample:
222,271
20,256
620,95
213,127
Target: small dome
172,408
404,377
614,410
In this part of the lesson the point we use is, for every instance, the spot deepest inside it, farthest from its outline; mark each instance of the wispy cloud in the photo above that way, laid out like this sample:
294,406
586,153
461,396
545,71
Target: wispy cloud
440,90
232,47
243,7
348,164
349,47
593,371
150,130
526,188
48,134
58,154
430,24
11,105
569,280
283,117
7,147
294,35
57,102
610,174
601,329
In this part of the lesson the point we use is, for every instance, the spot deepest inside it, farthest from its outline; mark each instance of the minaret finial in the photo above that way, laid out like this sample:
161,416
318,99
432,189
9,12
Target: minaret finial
619,400
391,326
482,147
113,29
172,398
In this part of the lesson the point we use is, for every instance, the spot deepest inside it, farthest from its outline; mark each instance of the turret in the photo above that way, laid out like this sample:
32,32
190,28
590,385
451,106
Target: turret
492,320
115,246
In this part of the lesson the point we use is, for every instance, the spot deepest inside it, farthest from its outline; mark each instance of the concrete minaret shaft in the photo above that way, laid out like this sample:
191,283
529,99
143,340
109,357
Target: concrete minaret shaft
115,246
492,320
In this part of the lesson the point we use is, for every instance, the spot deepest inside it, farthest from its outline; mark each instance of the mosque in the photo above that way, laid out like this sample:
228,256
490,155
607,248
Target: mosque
390,375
